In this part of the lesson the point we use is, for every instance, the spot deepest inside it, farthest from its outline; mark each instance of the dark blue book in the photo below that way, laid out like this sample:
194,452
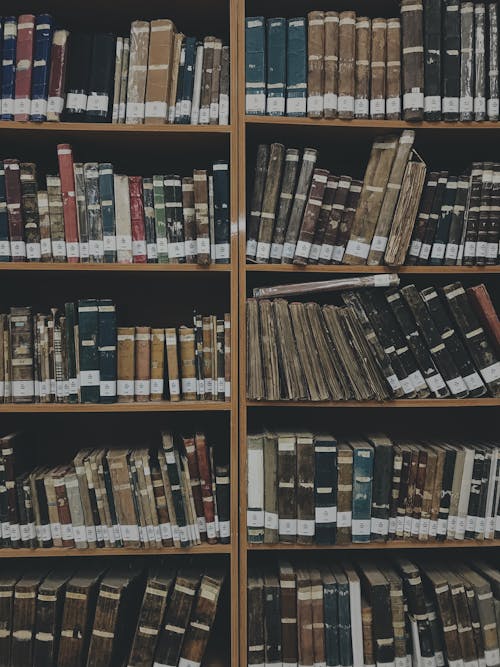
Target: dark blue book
296,67
107,199
276,66
344,616
331,617
325,488
362,480
88,352
8,67
4,220
221,212
255,65
188,81
107,351
41,67
101,79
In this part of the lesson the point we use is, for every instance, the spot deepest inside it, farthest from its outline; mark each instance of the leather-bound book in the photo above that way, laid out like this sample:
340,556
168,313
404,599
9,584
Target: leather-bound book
8,581
139,250
107,350
157,372
378,93
187,363
206,477
124,80
269,202
454,245
40,75
276,66
374,186
427,230
4,220
65,158
393,70
310,216
125,372
330,98
201,216
255,619
382,472
76,510
344,494
477,342
22,346
24,66
207,356
304,617
296,68
177,617
81,211
367,626
330,607
347,64
325,488
188,212
299,203
463,616
24,615
8,67
13,199
138,62
256,498
207,74
222,481
414,593
77,80
397,607
194,474
305,488
287,480
482,304
172,364
117,80
100,92
160,218
485,214
362,480
158,75
466,61
283,210
269,471
149,220
142,355
472,215
323,218
316,63
346,213
493,231
413,60
175,485
254,215
88,350
57,79
432,59
480,64
492,105
390,201
150,616
437,579
49,604
121,480
344,617
62,507
362,68
174,221
272,618
107,207
221,212
318,616
378,592
486,609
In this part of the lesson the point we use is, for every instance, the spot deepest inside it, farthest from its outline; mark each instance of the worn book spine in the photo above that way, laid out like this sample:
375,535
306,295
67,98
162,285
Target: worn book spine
187,363
14,212
4,220
172,364
139,248
299,202
344,494
29,207
453,244
429,230
160,219
362,68
347,64
412,59
284,207
57,79
206,78
269,202
484,213
81,210
347,213
107,351
269,471
310,217
24,66
202,216
276,66
22,345
287,497
157,364
44,218
296,67
378,92
493,233
107,203
492,105
451,60
316,63
41,57
138,62
467,61
77,85
305,489
362,479
142,383
122,109
483,306
224,87
94,213
256,497
432,59
158,71
100,82
323,217
254,215
117,79
66,172
8,67
325,489
328,252
472,215
382,472
393,82
443,224
222,235
480,65
330,98
88,350
125,364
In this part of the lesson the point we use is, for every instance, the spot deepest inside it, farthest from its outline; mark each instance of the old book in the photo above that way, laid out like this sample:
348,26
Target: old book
270,477
325,488
379,58
451,61
393,70
125,364
24,615
29,207
66,171
346,221
138,62
454,245
276,66
49,605
413,60
330,98
24,66
100,82
305,488
344,495
480,73
209,57
202,216
158,76
310,216
255,618
316,63
269,202
432,60
328,250
363,67
493,92
362,479
347,64
323,217
467,61
57,79
483,306
382,471
253,222
124,80
14,213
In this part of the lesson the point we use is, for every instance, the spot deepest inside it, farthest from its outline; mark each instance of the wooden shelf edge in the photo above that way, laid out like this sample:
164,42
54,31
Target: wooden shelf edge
344,268
373,124
55,552
376,546
118,268
149,406
400,403
113,128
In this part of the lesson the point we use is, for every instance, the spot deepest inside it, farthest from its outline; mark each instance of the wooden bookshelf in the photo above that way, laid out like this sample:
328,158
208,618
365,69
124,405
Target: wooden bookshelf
111,552
115,268
148,406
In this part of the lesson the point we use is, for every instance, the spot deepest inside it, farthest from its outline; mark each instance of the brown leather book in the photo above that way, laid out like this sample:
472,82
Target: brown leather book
393,70
310,217
172,364
206,79
288,602
330,99
413,59
124,497
63,510
485,310
8,579
347,57
318,618
194,474
160,497
305,488
269,202
362,68
24,615
142,354
378,69
315,63
208,360
158,74
206,477
125,364
157,363
305,617
326,254
215,83
22,348
189,219
188,366
344,493
55,523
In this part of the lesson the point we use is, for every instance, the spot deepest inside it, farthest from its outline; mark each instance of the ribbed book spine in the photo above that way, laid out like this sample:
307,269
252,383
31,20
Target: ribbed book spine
347,64
480,62
492,106
393,84
315,63
325,489
451,60
467,61
378,69
94,215
139,250
57,78
413,60
4,220
88,332
29,206
330,99
149,220
13,197
362,477
222,234
363,65
8,67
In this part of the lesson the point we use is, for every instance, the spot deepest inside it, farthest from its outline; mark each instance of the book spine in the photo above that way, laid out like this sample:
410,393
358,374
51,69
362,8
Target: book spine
57,79
451,60
149,220
378,69
8,67
142,355
330,100
413,60
174,213
88,332
202,216
305,490
255,66
159,71
347,64
107,203
4,220
453,244
325,490
484,214
81,209
100,81
122,111
160,219
71,352
157,363
188,213
188,83
224,87
139,249
94,213
29,207
480,62
107,350
276,66
310,217
432,60
138,61
347,213
296,67
222,236
44,217
41,67
362,68
22,344
362,479
467,61
56,219
323,218
472,215
315,63
13,197
429,229
303,184
66,171
117,79
492,107
172,364
206,78
24,66
493,234
125,371
344,496
255,213
393,83
443,224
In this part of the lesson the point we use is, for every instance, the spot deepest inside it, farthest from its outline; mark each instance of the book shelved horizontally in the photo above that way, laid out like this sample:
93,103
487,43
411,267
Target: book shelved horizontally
147,292
344,146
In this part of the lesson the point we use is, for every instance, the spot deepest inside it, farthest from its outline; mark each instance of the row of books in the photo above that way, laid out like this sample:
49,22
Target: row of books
368,611
316,488
438,60
128,497
98,616
88,213
80,355
302,214
155,75
379,344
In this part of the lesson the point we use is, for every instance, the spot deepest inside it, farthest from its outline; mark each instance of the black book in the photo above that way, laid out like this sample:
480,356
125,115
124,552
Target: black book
474,493
149,220
43,521
475,337
325,488
431,375
221,212
425,208
430,228
484,214
49,606
331,617
101,78
454,247
430,333
493,236
471,221
174,214
451,338
223,502
443,225
111,502
255,619
187,81
381,490
344,616
446,486
480,523
432,59
77,77
451,60
272,619
414,594
378,592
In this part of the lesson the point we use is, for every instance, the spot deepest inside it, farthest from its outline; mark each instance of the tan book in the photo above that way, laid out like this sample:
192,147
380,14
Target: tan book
174,75
393,70
347,57
125,364
124,499
315,63
172,364
159,63
378,69
157,363
188,367
362,67
138,64
330,98
142,383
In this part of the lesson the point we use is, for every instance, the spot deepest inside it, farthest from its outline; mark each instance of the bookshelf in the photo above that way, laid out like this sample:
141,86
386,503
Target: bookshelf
170,290
344,147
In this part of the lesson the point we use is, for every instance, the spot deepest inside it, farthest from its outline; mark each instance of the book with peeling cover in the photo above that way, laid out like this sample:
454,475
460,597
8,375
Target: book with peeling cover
270,467
305,488
255,618
8,580
272,618
325,488
287,480
362,479
49,606
24,615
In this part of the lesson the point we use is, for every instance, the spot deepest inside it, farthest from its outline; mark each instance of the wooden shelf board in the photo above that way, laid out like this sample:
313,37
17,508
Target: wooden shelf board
344,268
400,403
376,546
115,268
55,552
368,123
149,406
113,128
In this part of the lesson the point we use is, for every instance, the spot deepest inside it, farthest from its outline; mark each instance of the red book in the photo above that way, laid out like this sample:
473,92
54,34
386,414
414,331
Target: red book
485,310
14,214
139,252
24,66
206,486
58,59
67,176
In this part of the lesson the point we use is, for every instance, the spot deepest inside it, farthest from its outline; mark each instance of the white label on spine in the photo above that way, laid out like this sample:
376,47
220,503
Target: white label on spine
263,250
491,373
67,531
492,250
481,248
380,526
97,102
107,388
417,379
55,104
188,385
271,520
305,527
176,249
330,101
276,105
22,388
55,530
288,526
251,247
289,250
479,105
377,107
22,106
156,110
413,100
315,103
76,101
174,387
383,280
425,250
344,519
157,386
142,387
457,385
38,107
84,250
393,105
466,104
379,243
59,248
346,103
138,247
450,104
72,249
125,387
89,378
109,243
223,109
255,518
361,107
222,251
296,105
135,110
303,249
123,242
493,110
225,528
451,251
130,533
415,248
255,103
358,249
7,107
438,250
361,527
96,248
432,103
326,514
435,382
18,248
33,251
203,246
4,248
470,249
492,656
